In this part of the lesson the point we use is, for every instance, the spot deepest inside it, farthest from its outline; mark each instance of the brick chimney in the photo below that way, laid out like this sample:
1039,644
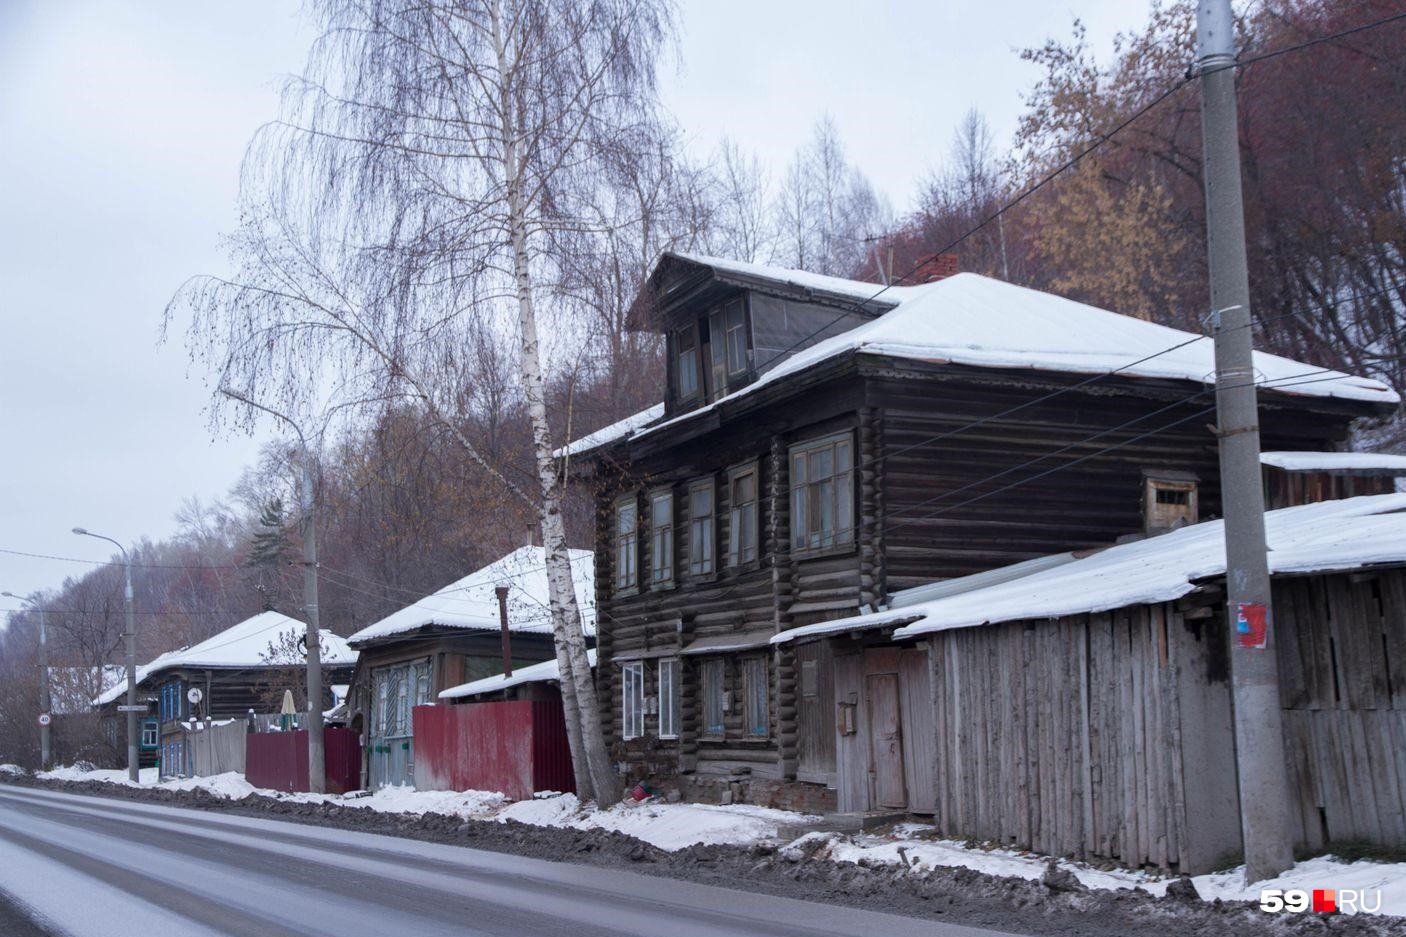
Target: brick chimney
938,267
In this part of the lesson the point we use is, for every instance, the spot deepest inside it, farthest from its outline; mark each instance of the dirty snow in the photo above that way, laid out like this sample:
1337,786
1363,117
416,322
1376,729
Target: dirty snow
11,769
671,826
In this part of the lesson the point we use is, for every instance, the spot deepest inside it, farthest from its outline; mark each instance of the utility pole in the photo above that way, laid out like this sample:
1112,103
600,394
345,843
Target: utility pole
317,752
131,708
1259,736
45,703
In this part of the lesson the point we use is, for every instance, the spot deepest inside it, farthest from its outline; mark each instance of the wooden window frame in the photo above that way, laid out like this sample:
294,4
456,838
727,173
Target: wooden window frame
632,720
626,581
662,543
708,695
1181,484
808,493
735,557
756,697
670,711
693,333
703,530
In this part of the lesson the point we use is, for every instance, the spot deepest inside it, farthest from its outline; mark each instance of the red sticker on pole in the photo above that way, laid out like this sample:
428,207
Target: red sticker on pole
1252,624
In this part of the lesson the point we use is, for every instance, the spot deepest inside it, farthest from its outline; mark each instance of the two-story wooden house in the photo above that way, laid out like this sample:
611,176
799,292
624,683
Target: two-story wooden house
824,443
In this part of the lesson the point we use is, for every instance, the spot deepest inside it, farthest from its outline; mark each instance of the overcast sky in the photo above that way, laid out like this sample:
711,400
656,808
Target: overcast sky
122,123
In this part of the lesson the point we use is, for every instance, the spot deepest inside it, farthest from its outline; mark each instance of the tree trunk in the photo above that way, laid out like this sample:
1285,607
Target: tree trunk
584,733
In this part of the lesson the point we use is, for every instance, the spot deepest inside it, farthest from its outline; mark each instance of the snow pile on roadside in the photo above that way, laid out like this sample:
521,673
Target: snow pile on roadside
907,846
146,776
667,826
11,769
404,799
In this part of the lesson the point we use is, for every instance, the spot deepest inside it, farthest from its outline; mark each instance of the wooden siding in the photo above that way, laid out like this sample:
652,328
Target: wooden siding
1066,737
937,462
1342,672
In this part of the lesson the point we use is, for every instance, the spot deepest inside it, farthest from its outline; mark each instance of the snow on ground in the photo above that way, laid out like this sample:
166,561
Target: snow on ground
11,769
675,826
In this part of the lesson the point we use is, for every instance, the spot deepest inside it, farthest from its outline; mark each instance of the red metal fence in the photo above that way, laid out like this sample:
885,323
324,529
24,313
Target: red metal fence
279,760
516,747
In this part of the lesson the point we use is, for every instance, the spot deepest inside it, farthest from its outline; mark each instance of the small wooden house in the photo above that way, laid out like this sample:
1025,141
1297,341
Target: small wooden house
242,668
824,445
450,636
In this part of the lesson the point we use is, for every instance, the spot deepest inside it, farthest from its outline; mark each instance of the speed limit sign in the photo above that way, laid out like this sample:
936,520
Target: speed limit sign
45,719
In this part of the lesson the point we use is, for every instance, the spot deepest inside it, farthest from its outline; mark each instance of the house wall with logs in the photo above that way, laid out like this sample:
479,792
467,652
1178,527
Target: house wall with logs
934,498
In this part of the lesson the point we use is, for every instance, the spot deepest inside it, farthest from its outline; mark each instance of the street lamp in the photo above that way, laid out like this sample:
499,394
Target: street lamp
44,703
317,762
131,707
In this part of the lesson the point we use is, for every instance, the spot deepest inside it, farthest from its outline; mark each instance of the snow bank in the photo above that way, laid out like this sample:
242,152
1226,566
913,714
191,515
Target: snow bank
907,845
667,826
11,769
147,777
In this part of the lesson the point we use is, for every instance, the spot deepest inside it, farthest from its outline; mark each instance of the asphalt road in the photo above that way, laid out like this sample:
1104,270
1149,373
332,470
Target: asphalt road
92,867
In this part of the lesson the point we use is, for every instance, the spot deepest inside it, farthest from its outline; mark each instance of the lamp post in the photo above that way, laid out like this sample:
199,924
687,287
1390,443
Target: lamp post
317,763
131,636
44,702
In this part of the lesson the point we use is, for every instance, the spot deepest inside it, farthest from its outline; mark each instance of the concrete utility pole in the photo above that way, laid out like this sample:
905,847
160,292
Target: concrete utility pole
1259,736
131,708
45,704
317,752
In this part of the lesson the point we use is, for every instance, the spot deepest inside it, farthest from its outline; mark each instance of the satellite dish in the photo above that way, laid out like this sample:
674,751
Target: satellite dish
194,695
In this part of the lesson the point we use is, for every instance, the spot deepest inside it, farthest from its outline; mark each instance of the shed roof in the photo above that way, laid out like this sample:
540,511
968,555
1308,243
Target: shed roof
470,603
1362,463
241,647
1328,536
545,672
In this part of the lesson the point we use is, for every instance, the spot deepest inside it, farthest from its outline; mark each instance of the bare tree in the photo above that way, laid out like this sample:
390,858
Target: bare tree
432,155
827,210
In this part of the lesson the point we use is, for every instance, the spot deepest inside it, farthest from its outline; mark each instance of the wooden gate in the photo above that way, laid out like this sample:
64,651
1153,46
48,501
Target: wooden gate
885,740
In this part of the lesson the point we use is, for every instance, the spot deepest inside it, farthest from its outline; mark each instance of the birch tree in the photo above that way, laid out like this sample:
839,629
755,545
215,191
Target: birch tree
428,160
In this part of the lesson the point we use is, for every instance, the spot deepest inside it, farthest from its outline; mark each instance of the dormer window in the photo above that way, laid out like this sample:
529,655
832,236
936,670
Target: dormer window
686,363
711,356
727,336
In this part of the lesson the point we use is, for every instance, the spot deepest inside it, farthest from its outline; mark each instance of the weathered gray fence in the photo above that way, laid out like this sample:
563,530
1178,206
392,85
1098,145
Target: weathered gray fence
217,748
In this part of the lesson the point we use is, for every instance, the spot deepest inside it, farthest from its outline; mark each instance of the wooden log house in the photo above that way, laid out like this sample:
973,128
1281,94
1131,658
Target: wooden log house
824,444
443,640
245,667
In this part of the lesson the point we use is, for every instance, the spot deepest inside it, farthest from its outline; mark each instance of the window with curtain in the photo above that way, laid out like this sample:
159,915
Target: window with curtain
632,703
669,698
710,678
756,694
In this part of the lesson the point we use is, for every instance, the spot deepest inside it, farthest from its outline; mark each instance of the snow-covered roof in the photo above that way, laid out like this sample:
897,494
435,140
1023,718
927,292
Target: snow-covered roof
1323,537
545,672
243,646
972,320
1376,463
612,432
471,604
879,297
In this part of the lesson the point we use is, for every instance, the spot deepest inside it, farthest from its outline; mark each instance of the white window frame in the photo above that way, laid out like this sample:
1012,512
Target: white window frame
632,699
670,670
